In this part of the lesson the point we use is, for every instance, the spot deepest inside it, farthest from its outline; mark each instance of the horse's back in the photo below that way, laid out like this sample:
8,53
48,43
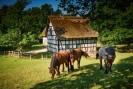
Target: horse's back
106,51
79,52
64,57
64,54
102,51
110,50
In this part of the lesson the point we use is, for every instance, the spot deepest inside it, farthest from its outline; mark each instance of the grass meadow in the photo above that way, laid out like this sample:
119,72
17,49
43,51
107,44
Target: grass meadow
18,73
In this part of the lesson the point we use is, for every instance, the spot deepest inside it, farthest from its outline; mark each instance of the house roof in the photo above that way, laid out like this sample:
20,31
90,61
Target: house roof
72,27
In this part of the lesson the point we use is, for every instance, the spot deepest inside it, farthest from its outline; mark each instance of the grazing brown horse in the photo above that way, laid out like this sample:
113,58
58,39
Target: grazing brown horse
76,54
58,59
108,54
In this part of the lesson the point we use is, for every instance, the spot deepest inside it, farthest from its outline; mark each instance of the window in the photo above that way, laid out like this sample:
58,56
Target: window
50,29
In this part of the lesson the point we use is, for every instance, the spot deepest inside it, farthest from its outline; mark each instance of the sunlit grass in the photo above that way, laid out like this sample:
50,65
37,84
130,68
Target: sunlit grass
25,74
22,73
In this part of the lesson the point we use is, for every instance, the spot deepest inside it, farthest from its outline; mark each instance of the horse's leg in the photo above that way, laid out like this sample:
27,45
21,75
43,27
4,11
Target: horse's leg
68,66
78,63
97,55
110,68
58,70
106,70
72,65
101,67
63,67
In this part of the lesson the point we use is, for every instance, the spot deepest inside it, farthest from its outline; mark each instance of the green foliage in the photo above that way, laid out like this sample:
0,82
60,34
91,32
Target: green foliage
108,17
47,9
20,28
28,40
76,7
58,12
113,23
10,39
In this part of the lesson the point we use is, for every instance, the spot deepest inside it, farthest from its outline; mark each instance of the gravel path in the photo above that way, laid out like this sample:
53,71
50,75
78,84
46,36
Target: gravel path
38,51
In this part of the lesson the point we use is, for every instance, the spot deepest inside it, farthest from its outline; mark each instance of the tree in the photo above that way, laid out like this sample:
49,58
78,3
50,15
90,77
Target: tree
58,12
47,9
76,7
21,28
10,39
111,18
28,40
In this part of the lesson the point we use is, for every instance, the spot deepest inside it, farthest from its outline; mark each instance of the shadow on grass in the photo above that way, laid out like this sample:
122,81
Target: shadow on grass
90,76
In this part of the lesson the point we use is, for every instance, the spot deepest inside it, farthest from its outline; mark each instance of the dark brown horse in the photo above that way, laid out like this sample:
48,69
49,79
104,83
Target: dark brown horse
108,54
76,54
57,59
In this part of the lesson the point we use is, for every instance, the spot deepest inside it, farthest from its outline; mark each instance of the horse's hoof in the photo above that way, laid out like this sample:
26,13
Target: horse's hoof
78,67
58,74
72,70
106,72
63,71
101,68
69,71
110,71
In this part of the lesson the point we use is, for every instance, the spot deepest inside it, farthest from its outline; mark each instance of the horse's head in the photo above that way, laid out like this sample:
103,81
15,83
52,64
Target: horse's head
52,66
108,63
52,72
85,54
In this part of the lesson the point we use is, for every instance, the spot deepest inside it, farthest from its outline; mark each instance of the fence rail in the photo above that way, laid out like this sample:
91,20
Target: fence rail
19,54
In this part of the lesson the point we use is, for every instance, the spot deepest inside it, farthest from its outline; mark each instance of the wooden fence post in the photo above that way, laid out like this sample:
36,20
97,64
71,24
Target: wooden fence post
8,53
4,53
13,53
42,56
20,54
30,56
46,57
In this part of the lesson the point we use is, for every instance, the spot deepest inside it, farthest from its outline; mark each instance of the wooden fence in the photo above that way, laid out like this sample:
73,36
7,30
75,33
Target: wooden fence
19,54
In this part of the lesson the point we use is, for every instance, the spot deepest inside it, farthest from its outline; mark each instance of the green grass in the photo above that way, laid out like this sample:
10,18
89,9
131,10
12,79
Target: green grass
16,73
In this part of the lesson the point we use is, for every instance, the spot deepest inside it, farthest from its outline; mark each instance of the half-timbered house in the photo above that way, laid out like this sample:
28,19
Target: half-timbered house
65,32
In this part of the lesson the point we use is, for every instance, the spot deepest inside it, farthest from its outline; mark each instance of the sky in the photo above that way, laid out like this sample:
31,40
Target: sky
34,3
